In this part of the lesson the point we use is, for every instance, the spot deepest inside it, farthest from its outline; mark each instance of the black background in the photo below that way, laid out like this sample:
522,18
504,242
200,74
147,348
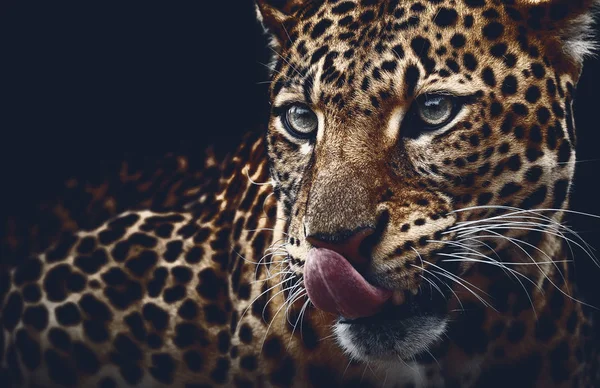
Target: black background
86,82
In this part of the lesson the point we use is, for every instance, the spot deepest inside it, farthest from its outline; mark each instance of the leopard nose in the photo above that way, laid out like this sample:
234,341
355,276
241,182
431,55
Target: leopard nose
354,246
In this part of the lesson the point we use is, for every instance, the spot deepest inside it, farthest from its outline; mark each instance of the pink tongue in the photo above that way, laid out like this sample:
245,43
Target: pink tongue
334,286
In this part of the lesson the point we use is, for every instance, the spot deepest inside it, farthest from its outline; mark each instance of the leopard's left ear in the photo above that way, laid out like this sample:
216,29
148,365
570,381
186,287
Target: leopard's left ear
276,16
570,23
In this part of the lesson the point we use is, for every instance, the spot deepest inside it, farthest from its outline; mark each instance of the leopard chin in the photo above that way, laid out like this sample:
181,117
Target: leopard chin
385,340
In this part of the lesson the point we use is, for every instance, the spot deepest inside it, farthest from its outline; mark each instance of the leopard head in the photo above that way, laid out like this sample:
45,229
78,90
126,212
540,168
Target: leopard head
410,142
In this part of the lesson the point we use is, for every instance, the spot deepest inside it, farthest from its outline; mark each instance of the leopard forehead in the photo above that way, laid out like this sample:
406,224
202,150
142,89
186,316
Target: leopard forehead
355,55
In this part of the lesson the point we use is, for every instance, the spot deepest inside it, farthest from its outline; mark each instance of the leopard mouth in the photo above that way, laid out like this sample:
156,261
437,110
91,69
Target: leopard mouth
373,323
426,302
405,331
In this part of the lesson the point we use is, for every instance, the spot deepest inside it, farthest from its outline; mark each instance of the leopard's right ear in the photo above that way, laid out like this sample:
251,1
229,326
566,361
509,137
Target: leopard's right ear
568,24
277,16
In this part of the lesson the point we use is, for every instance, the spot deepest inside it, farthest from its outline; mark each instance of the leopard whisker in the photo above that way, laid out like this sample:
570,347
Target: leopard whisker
542,229
266,229
461,282
265,212
280,249
293,296
519,210
441,281
273,254
537,212
273,297
287,33
408,366
473,251
278,274
250,261
269,326
538,217
501,227
385,379
298,295
524,264
498,235
422,268
459,244
259,263
433,285
268,265
327,337
455,276
347,366
258,297
246,171
290,300
364,372
516,274
455,280
290,65
434,358
512,240
579,161
299,320
271,69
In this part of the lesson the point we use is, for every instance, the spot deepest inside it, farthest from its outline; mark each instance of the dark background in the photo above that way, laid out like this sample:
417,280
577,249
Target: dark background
82,83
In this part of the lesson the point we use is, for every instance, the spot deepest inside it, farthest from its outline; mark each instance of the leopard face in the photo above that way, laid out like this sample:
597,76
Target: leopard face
399,127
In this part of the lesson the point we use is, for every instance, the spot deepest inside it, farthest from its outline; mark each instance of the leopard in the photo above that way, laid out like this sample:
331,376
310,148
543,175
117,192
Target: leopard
400,221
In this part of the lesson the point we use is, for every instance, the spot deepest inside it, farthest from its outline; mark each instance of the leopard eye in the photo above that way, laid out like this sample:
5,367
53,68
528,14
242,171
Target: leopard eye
431,112
435,110
300,121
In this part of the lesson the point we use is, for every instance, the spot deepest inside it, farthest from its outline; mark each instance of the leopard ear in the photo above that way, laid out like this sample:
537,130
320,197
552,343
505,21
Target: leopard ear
276,16
570,23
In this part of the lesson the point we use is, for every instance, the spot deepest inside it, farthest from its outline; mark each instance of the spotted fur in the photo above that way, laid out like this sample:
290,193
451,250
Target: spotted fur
203,286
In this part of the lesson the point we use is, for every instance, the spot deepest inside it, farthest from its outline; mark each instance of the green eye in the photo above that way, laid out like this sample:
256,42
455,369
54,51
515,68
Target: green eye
300,121
436,110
